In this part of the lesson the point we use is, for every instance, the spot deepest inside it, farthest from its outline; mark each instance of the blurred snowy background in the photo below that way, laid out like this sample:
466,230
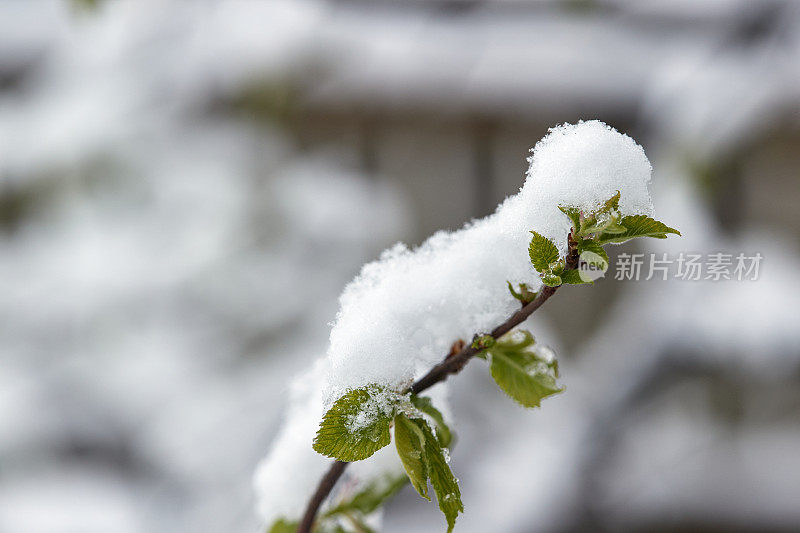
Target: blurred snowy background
185,187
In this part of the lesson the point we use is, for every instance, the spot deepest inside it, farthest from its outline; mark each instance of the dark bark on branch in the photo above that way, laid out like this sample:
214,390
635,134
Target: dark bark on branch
325,487
452,364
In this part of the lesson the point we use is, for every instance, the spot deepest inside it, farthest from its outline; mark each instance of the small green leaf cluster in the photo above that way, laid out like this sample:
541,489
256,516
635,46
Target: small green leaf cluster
607,225
590,231
358,424
522,369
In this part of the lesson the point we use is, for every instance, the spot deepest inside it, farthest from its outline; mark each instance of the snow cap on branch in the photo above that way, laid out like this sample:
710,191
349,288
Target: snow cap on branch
401,314
288,475
583,165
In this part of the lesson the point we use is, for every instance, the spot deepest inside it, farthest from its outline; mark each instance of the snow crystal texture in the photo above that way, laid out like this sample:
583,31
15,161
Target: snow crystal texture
401,314
288,475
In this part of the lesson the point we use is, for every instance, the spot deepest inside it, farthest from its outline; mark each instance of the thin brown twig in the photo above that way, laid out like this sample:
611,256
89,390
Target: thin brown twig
452,364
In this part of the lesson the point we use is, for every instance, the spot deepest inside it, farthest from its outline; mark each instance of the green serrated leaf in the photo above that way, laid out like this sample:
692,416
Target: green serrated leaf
573,277
283,526
424,404
525,295
443,481
574,215
542,252
356,426
368,499
638,226
410,441
520,371
551,280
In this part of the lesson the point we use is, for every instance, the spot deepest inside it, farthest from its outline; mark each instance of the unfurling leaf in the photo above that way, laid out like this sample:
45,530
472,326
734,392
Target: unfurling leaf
551,280
410,442
612,204
542,252
600,223
357,425
637,226
424,404
604,219
525,295
525,373
574,215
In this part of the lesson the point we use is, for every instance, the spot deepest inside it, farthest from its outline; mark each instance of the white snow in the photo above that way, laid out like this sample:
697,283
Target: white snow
379,404
401,314
288,475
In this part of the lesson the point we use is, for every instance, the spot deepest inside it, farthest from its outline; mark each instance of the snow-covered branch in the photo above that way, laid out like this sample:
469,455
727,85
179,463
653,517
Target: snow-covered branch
452,364
586,187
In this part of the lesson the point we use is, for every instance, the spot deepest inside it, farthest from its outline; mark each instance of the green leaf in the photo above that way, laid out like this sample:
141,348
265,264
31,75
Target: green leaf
542,252
604,219
551,280
612,204
444,482
525,295
574,215
283,526
520,371
410,441
598,223
357,425
422,456
424,404
638,226
573,277
615,228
